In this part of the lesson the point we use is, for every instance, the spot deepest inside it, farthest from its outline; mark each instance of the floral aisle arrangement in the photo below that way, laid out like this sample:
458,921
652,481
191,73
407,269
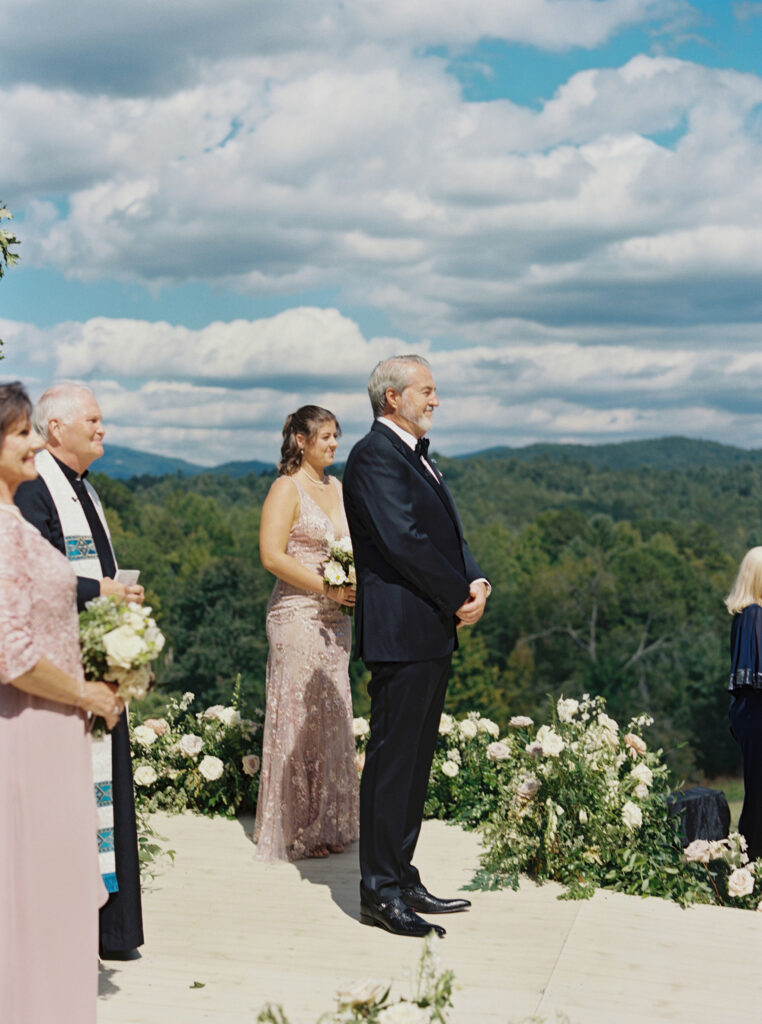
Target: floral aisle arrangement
207,762
369,1001
339,570
119,642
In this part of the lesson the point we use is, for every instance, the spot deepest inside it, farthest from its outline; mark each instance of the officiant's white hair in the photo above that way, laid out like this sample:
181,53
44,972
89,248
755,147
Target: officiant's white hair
391,373
62,401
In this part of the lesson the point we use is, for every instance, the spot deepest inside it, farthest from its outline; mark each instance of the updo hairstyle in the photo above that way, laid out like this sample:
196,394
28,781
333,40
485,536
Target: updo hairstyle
14,406
306,421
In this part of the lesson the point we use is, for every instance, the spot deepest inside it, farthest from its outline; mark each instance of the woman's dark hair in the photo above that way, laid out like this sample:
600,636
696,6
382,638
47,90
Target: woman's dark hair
14,406
306,421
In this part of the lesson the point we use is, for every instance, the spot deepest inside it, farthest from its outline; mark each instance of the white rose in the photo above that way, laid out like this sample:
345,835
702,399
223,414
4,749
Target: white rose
230,717
404,1013
123,647
567,708
498,751
154,637
159,725
334,574
211,768
250,764
528,787
360,727
145,775
740,882
361,993
698,851
213,711
143,610
550,742
488,726
641,791
520,722
636,747
468,729
446,723
132,683
610,729
642,773
632,815
534,749
454,755
145,735
190,745
450,769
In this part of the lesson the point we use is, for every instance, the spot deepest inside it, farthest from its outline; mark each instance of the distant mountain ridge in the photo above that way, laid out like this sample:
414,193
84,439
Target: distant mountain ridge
660,453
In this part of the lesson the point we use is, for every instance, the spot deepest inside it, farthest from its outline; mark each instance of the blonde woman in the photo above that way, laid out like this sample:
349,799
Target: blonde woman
744,602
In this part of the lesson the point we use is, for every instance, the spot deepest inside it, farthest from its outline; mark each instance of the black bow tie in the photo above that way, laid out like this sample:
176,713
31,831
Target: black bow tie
422,447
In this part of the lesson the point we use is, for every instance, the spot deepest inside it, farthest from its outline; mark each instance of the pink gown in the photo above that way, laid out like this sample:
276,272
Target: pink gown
50,887
308,791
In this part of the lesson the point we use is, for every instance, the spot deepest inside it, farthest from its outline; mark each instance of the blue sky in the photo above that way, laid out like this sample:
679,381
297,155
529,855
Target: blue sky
228,212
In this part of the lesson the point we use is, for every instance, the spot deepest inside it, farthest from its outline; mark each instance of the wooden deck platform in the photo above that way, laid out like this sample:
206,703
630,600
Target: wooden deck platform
250,933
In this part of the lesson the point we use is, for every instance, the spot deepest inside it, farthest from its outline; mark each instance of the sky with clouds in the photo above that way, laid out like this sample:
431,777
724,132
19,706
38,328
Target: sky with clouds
230,209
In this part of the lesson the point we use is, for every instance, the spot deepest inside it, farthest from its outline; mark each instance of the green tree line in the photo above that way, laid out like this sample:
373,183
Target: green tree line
605,581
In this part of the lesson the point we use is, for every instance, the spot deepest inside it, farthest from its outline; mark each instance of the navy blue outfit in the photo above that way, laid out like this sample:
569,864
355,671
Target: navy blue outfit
745,685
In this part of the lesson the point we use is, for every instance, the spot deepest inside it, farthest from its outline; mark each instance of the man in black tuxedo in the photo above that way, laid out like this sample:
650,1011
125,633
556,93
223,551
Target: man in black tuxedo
417,582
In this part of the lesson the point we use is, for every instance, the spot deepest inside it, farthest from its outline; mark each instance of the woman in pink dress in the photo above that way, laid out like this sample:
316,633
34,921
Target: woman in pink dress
308,792
50,887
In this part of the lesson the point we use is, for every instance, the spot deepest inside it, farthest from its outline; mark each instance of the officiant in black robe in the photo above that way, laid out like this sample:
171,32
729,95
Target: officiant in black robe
69,419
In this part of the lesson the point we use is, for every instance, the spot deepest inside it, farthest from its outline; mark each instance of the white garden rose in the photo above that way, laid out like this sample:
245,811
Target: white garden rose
361,993
123,647
641,791
468,728
360,727
145,735
567,708
498,751
404,1013
250,764
610,729
190,745
230,717
632,815
446,724
145,775
454,755
698,851
642,773
211,768
213,711
132,683
521,722
334,573
528,787
489,727
450,769
534,749
550,742
740,882
636,746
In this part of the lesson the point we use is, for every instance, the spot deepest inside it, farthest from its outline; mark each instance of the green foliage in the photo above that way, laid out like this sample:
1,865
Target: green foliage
8,257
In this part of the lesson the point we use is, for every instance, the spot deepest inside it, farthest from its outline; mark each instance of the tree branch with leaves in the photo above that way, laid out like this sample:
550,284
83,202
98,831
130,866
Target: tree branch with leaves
8,257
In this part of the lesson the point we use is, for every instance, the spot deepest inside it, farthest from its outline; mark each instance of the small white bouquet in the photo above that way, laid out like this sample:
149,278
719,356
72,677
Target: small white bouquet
119,641
339,570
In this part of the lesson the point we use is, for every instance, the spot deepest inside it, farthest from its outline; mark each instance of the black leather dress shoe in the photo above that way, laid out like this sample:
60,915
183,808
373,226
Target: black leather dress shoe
419,898
394,915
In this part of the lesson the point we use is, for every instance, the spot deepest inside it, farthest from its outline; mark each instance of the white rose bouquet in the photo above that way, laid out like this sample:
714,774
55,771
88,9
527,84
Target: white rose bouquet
339,570
119,641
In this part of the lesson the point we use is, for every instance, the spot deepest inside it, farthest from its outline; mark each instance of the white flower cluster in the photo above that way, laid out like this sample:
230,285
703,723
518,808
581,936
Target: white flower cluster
121,639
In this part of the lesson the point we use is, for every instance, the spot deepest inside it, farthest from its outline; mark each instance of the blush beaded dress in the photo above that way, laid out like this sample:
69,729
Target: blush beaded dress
308,791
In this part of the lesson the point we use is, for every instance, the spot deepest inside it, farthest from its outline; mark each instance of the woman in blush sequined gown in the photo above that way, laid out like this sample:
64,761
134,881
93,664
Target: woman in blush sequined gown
308,792
50,885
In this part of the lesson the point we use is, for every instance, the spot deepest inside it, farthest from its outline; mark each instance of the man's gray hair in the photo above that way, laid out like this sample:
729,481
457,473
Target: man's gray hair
391,373
60,402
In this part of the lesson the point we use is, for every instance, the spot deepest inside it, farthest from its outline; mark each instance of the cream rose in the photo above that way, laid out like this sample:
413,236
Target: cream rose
567,708
250,764
450,769
740,882
190,745
360,727
636,746
159,725
498,751
211,768
145,735
468,728
145,775
550,742
446,723
334,574
123,647
521,722
642,773
632,815
698,851
230,717
489,727
528,787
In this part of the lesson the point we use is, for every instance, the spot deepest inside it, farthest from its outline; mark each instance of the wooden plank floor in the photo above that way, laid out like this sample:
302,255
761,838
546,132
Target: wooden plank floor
288,933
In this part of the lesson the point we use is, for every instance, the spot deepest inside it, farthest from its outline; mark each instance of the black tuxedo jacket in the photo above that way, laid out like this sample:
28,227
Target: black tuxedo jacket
413,564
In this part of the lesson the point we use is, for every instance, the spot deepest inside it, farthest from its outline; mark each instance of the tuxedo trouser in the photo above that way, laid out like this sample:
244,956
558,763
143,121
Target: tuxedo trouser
746,726
407,699
121,918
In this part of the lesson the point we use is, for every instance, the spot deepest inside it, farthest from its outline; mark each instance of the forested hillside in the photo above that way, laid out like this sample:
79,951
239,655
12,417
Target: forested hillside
608,581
